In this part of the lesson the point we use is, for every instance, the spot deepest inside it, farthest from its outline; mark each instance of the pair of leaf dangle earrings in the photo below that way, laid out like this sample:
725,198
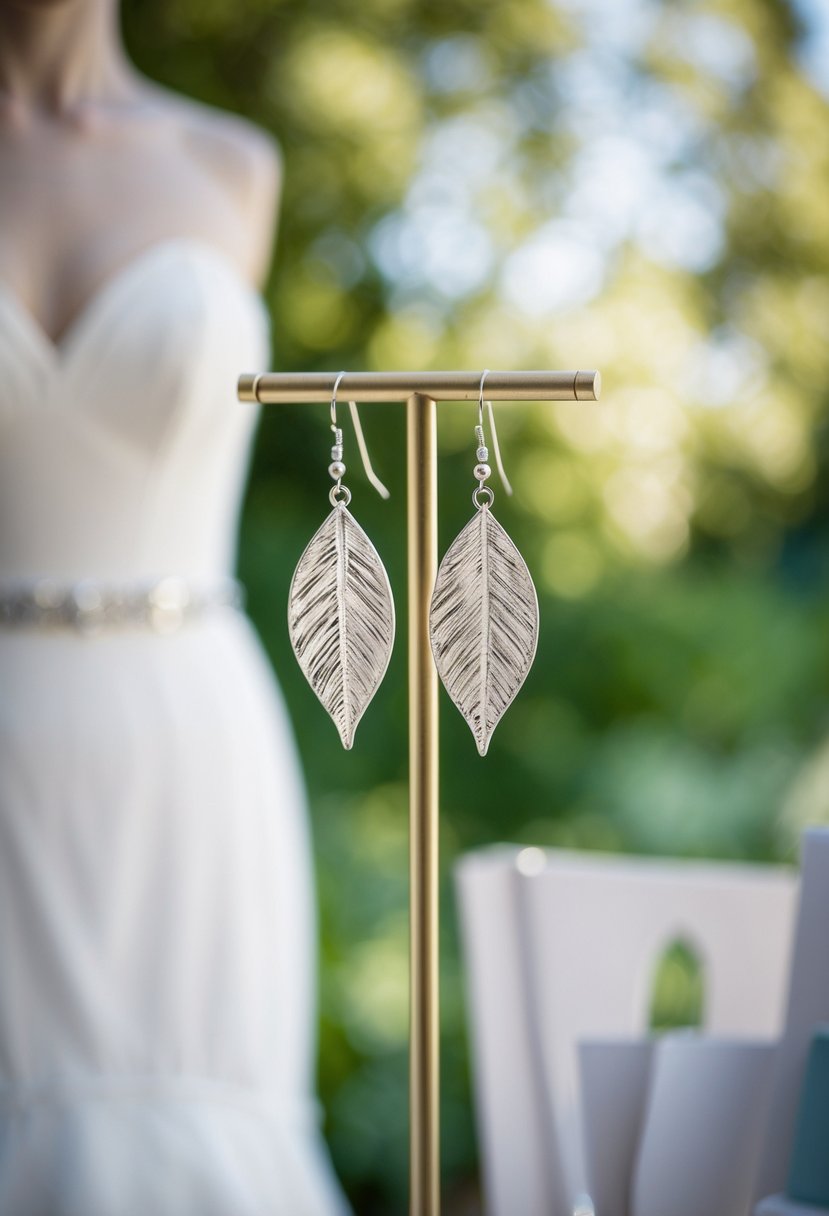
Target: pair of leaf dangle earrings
483,619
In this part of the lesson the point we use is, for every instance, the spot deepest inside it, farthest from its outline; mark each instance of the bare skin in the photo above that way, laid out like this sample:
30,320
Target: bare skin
97,164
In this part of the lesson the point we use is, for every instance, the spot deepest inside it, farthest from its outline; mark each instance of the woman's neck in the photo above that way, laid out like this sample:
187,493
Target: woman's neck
60,54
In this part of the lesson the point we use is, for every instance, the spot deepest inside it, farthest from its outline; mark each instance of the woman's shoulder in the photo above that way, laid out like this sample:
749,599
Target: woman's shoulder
243,154
242,158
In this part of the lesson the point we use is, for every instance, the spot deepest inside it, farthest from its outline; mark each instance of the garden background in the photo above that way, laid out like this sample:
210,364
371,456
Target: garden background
635,186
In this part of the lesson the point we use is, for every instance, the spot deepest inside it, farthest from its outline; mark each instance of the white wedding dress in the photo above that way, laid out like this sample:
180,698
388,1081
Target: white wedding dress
157,948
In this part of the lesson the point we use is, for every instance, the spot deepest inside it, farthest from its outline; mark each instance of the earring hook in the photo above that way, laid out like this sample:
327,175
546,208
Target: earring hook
334,401
484,375
361,441
361,444
496,447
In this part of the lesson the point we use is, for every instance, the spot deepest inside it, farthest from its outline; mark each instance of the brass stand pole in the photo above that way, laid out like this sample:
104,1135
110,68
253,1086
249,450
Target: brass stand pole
421,391
424,1005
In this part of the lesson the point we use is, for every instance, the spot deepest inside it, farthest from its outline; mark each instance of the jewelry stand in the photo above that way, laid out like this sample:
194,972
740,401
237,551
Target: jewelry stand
421,391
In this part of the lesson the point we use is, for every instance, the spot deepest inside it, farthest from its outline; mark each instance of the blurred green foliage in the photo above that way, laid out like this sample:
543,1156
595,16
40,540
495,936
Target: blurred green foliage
634,186
678,999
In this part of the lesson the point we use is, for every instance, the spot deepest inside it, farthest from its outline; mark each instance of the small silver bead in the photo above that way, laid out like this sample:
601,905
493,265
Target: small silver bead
482,453
336,469
482,471
337,452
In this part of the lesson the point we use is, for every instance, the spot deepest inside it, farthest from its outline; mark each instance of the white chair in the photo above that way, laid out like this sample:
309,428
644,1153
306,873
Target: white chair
807,1005
561,947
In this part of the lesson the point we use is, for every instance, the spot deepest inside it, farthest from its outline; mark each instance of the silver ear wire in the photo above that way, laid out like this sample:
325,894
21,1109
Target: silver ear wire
497,449
334,401
361,444
479,433
484,375
361,440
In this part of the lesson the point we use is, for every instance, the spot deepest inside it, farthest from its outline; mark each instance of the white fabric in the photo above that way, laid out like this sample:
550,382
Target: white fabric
156,917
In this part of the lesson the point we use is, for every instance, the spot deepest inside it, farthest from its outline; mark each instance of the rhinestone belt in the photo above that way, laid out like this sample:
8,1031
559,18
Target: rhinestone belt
89,606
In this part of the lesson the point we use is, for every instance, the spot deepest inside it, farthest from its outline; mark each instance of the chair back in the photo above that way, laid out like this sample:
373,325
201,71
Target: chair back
561,947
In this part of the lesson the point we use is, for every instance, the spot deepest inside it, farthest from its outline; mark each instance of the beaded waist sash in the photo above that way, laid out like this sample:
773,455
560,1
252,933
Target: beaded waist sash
89,606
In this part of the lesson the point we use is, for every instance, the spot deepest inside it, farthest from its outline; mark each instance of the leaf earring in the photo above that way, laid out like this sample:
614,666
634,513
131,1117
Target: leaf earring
340,607
483,619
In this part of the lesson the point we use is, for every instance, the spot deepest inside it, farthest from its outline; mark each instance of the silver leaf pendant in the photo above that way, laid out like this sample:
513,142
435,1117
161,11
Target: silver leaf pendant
483,623
341,619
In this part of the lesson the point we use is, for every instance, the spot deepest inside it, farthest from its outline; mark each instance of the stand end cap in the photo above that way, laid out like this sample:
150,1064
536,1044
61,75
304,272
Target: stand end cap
246,387
588,386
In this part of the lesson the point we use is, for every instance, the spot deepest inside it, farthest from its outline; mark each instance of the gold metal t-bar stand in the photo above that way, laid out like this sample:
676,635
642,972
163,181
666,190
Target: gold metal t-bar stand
421,391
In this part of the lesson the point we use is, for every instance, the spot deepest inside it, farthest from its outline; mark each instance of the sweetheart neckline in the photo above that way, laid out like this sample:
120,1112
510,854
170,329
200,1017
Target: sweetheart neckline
60,348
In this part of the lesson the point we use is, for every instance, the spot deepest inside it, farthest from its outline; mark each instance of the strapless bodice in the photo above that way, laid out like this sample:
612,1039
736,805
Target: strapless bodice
123,449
